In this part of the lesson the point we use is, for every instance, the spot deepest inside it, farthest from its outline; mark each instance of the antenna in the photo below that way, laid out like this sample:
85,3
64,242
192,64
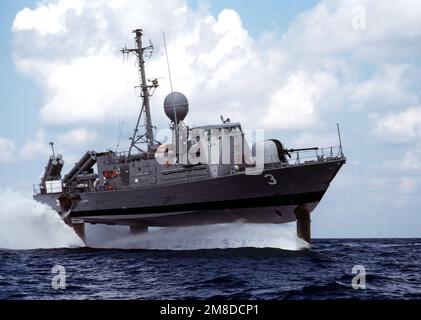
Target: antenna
52,147
168,61
340,140
145,94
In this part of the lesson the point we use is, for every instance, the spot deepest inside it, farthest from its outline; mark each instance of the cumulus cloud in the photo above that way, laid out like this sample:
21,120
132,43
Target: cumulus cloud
49,19
390,87
85,90
7,150
391,30
291,82
311,139
373,63
410,162
296,104
38,146
407,185
400,127
84,82
79,137
71,49
35,147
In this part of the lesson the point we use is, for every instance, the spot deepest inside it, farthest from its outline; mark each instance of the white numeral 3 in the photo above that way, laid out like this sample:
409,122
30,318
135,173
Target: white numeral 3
271,179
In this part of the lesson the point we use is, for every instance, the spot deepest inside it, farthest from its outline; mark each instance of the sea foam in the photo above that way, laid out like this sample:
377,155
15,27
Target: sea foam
27,224
222,236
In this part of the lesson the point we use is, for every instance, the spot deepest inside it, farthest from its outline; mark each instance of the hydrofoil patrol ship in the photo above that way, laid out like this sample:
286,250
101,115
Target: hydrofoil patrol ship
207,175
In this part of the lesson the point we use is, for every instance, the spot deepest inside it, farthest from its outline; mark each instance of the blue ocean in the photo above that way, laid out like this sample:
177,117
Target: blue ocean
324,271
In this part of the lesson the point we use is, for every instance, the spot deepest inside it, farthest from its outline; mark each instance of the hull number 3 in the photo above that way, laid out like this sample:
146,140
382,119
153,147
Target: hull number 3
271,179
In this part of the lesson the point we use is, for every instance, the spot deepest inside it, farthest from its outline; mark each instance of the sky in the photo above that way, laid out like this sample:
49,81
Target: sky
293,68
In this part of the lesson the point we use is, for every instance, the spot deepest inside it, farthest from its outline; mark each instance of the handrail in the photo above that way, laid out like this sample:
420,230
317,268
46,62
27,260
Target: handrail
315,154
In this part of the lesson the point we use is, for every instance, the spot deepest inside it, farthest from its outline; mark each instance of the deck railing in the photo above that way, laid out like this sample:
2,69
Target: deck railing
47,188
303,156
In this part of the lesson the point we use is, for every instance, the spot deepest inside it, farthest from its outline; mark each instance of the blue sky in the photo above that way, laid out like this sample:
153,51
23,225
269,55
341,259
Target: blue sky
261,16
294,68
14,102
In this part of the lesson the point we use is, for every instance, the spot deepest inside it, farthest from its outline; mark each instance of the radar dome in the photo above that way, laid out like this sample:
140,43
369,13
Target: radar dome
176,106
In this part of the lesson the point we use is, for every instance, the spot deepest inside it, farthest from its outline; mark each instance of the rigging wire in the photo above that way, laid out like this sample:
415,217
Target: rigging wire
168,61
122,114
176,128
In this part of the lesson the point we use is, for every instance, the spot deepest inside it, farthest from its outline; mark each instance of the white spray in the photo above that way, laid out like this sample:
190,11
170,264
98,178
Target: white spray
27,224
222,236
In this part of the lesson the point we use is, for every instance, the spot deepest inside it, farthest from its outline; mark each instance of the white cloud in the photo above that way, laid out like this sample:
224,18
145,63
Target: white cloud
393,29
401,127
38,145
403,185
390,87
377,185
35,147
214,62
78,137
7,150
77,61
85,90
407,185
49,18
374,67
292,82
410,162
296,104
315,139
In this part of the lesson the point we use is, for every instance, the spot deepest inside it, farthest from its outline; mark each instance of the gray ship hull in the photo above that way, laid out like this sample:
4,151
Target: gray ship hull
270,197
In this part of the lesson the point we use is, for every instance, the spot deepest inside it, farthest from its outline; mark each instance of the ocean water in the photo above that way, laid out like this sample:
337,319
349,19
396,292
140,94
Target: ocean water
235,261
393,271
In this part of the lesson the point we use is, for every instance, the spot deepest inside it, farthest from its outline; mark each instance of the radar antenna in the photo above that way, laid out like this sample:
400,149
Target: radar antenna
146,92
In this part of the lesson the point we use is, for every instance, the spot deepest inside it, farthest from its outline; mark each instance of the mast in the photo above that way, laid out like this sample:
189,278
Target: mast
145,94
